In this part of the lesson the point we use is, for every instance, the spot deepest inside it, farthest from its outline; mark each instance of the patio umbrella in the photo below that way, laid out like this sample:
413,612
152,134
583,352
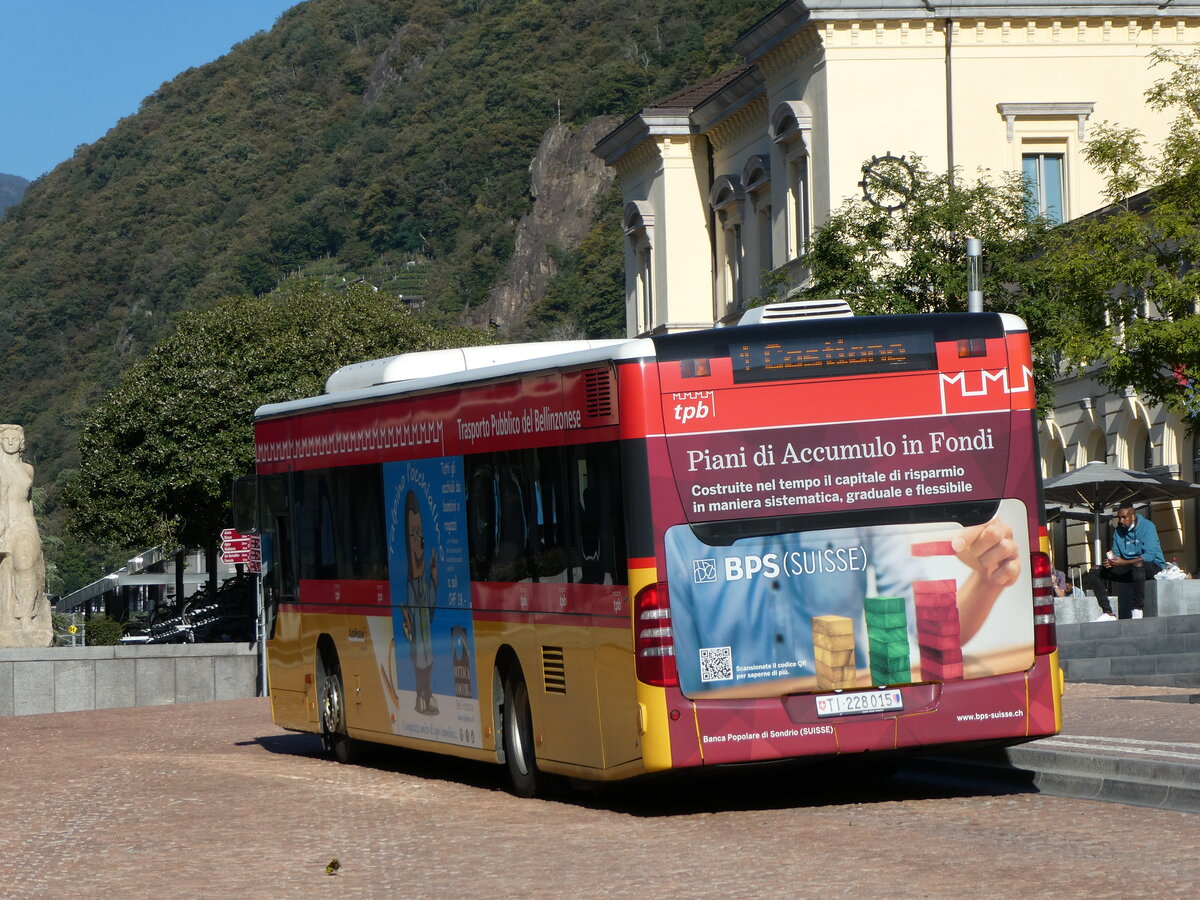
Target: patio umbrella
1099,486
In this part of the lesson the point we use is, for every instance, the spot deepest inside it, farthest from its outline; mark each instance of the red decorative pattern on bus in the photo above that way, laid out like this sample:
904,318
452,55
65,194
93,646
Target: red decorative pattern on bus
540,411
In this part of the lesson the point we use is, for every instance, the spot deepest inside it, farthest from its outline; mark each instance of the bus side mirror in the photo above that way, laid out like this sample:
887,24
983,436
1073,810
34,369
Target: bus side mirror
245,505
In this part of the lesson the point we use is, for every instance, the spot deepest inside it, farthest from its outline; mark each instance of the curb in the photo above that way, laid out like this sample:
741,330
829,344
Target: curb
1157,774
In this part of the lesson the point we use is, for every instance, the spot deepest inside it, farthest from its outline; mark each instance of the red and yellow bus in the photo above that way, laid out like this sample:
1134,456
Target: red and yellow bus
599,560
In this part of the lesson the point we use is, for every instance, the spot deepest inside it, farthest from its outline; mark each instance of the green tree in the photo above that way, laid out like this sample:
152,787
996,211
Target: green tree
159,453
1129,273
913,259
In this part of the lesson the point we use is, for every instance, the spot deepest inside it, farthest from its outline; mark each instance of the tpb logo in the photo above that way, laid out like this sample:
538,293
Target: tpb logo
691,405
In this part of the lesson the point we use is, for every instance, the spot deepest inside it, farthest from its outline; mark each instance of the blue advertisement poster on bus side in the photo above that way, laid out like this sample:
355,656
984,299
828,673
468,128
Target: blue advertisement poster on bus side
430,664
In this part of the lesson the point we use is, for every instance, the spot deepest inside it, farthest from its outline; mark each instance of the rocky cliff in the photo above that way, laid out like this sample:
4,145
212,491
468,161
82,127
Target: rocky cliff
566,179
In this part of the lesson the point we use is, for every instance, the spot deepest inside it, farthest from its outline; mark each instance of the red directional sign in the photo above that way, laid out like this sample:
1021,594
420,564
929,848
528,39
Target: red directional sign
241,549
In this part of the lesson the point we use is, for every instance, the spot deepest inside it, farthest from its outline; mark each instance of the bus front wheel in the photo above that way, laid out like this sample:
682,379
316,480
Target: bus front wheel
518,738
334,731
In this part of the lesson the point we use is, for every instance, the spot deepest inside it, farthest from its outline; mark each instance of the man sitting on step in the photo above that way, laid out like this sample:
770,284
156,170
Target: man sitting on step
1135,556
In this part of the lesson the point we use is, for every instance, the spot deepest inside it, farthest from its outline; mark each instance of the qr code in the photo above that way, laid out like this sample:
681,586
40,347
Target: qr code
716,663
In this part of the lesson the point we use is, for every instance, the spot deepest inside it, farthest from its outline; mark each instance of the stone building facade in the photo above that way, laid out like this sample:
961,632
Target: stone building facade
726,180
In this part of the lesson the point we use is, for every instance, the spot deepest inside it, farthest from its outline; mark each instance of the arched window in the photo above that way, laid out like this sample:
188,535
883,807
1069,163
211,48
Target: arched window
756,178
1053,458
638,224
1137,451
791,130
726,199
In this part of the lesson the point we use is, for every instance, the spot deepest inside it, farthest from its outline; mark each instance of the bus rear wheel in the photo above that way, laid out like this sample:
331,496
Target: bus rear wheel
519,756
334,731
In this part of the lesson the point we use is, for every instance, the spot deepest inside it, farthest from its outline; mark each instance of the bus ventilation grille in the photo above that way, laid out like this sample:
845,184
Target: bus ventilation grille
554,670
597,393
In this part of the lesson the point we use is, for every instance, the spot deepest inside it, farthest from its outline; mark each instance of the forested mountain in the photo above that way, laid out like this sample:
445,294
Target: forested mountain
357,138
12,189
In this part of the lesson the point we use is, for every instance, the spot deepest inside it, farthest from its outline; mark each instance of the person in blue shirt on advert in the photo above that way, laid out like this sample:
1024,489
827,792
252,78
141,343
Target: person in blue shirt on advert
1136,555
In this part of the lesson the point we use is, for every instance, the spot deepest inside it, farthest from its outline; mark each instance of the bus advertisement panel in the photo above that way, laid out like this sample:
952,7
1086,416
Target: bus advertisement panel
429,672
841,608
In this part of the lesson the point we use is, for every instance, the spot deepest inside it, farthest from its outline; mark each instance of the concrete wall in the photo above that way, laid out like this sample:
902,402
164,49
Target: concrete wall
70,679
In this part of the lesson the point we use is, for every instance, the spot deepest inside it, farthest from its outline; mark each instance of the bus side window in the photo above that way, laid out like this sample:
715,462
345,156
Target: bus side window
481,514
600,537
510,562
315,531
550,515
361,540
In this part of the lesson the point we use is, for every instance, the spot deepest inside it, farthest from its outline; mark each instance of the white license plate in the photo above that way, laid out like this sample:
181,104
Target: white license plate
858,702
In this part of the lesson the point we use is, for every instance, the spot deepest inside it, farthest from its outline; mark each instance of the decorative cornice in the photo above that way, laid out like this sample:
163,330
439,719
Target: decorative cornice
1054,110
1004,26
746,120
784,57
640,159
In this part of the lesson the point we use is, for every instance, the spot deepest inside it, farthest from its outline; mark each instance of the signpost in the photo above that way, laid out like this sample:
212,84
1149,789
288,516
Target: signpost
241,550
246,550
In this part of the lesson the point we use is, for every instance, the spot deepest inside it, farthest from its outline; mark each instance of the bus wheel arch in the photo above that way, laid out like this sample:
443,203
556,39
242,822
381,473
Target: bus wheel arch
331,702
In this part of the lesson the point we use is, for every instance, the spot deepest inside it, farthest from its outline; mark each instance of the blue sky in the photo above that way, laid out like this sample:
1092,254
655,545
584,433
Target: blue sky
70,69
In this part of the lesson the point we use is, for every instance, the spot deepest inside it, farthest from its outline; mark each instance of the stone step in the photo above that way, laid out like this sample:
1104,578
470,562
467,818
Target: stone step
1131,645
1070,632
1180,670
1163,651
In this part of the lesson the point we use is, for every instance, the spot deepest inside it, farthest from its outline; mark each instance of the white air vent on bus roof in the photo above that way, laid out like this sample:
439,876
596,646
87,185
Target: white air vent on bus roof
797,309
444,362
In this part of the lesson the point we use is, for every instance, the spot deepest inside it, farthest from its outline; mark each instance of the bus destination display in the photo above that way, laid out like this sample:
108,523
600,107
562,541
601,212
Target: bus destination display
827,357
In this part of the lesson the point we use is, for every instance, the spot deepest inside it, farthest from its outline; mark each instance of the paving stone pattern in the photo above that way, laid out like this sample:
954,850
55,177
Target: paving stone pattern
211,800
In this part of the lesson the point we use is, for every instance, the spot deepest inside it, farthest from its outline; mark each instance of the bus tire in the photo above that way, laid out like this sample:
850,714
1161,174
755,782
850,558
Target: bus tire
335,734
519,754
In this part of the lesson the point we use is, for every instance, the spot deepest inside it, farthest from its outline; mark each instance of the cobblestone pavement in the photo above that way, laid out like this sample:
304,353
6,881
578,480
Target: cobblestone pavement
211,800
1132,711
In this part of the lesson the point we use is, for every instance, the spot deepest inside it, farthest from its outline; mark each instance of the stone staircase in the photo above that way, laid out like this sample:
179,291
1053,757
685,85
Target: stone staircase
1163,651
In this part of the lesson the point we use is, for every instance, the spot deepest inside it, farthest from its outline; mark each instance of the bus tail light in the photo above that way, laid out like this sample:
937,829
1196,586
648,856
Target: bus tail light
653,639
1045,640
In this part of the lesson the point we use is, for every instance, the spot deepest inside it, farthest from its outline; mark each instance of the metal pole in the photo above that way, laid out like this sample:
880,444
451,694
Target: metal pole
260,627
974,291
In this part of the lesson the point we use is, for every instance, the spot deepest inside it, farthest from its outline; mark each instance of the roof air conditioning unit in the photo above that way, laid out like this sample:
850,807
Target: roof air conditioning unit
797,309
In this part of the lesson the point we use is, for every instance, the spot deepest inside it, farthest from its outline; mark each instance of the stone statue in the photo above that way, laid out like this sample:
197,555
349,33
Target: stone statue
24,609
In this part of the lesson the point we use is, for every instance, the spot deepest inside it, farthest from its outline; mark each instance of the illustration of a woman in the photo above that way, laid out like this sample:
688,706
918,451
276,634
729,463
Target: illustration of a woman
418,611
